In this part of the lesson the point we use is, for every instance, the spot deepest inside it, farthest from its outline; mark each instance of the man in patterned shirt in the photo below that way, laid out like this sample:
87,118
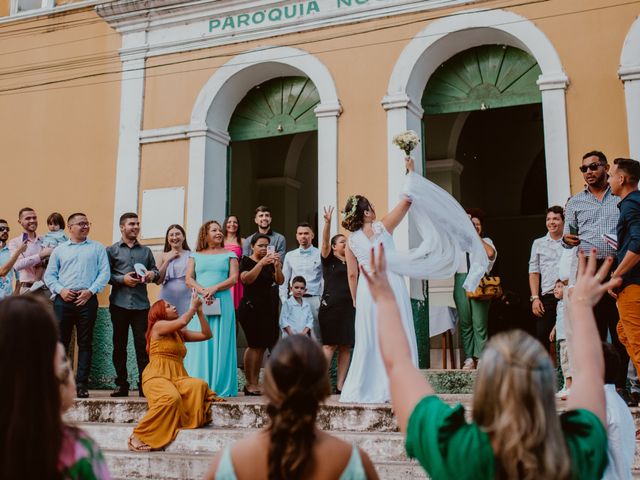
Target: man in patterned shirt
589,215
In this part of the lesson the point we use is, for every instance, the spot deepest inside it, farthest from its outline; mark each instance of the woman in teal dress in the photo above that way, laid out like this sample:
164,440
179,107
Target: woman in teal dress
212,271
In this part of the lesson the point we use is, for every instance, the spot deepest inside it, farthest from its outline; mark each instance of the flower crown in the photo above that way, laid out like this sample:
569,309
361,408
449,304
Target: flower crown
353,200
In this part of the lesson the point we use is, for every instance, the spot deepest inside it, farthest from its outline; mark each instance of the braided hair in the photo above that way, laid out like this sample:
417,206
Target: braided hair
296,382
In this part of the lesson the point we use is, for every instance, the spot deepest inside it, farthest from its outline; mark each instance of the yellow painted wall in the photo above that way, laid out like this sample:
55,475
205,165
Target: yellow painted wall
587,34
589,44
64,137
59,141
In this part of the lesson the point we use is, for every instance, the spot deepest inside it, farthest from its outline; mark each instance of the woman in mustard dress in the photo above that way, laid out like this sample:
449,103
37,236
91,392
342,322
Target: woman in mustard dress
176,401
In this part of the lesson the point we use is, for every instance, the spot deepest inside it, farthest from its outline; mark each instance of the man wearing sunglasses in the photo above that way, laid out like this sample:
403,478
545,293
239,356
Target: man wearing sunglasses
589,215
7,260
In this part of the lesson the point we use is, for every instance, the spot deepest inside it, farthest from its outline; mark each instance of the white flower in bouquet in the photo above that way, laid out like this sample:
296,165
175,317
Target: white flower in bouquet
406,141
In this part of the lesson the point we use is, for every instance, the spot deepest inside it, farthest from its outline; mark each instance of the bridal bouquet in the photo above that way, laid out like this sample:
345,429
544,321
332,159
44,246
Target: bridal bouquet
406,141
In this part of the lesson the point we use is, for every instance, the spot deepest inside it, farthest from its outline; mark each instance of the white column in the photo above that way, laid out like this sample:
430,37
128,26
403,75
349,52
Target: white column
207,188
402,114
556,144
131,108
630,76
327,115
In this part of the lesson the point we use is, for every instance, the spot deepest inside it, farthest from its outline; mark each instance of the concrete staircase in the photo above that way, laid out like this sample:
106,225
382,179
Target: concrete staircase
372,427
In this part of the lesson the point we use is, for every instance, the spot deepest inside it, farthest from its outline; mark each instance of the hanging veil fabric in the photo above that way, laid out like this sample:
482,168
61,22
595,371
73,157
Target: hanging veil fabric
446,232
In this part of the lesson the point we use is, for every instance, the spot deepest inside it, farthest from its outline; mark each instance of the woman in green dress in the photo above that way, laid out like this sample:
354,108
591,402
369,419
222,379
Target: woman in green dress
516,432
211,272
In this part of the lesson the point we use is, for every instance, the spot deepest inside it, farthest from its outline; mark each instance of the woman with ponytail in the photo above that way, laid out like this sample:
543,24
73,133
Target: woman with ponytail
292,447
176,400
516,432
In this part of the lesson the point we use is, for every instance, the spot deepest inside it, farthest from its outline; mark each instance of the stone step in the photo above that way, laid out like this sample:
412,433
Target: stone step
381,447
250,412
125,465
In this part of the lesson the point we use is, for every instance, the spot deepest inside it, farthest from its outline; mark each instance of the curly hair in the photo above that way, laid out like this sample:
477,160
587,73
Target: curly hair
514,403
202,243
296,382
354,217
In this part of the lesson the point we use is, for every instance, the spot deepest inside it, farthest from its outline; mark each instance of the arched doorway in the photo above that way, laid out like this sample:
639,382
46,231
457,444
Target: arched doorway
438,42
484,143
208,195
273,154
499,149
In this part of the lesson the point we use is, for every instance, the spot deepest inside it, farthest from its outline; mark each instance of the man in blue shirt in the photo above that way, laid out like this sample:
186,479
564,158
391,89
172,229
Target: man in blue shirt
78,269
623,180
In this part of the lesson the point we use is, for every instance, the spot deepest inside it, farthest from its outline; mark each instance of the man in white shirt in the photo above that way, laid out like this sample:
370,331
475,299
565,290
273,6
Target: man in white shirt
304,261
543,273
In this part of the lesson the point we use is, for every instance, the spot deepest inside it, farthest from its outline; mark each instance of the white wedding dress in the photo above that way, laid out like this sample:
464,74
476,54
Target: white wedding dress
435,258
367,380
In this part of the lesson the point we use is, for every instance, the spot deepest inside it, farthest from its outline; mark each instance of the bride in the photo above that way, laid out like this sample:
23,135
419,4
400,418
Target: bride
435,258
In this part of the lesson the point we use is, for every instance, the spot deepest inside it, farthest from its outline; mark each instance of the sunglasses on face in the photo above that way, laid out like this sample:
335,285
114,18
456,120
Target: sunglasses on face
592,166
4,229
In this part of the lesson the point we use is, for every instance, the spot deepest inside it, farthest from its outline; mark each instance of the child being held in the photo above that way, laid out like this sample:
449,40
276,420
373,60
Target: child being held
296,316
558,333
56,235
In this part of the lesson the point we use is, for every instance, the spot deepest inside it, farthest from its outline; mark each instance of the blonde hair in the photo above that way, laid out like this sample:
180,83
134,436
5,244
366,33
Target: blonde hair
514,403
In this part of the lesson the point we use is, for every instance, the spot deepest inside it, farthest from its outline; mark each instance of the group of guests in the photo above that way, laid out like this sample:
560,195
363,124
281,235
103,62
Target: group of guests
245,278
514,432
604,216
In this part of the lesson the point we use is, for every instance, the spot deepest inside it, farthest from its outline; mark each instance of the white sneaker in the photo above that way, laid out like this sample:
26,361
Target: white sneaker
469,364
563,394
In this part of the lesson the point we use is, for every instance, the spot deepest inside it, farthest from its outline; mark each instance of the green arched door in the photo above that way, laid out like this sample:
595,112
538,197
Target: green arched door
273,154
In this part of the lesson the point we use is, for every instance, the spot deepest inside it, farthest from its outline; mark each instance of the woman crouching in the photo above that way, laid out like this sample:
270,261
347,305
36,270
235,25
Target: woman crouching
176,400
292,447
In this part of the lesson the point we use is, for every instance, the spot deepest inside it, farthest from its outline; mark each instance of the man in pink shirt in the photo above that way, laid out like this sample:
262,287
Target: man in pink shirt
29,265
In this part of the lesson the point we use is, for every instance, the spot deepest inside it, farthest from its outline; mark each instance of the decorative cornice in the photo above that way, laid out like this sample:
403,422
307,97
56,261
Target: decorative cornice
219,136
629,72
392,102
328,110
187,23
168,134
554,81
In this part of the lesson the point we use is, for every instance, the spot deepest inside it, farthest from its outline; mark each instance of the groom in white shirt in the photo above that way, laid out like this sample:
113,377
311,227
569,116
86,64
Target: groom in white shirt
304,261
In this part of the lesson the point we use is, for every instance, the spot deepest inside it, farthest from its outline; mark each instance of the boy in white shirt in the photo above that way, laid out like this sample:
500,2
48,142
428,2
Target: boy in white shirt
558,333
296,316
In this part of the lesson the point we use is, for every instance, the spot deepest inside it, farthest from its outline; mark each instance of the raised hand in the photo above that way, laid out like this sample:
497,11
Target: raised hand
589,288
327,214
409,164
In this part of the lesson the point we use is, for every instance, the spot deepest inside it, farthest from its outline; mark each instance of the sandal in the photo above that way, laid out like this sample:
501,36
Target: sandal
141,447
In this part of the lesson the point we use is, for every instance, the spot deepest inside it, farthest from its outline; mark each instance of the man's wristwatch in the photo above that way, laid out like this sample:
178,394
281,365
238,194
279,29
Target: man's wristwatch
534,297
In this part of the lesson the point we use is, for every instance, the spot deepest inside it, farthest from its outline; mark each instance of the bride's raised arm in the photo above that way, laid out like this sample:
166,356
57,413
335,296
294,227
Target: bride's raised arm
392,219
